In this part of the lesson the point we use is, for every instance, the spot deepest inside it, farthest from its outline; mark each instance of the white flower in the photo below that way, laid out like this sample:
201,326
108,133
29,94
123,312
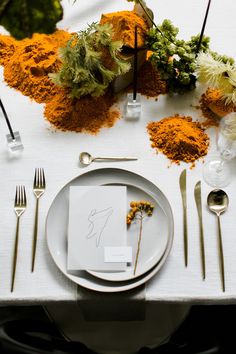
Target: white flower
232,77
217,75
209,70
229,127
229,90
230,97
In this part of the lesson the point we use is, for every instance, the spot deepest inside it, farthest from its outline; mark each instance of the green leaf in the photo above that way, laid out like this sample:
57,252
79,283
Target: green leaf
84,69
174,58
22,18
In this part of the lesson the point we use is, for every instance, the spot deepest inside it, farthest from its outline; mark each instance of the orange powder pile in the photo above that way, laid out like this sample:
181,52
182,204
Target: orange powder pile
7,48
179,138
150,83
28,62
124,23
214,107
87,114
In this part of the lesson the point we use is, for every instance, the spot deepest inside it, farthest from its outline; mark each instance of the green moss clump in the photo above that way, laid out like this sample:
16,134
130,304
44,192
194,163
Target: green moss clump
22,18
175,59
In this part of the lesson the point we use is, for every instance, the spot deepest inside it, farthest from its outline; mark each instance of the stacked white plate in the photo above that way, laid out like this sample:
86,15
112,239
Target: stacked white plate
157,235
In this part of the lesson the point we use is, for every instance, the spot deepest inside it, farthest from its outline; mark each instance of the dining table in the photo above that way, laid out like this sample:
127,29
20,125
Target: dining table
57,152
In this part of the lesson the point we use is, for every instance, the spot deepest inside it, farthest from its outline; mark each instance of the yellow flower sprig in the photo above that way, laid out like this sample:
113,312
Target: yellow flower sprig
138,211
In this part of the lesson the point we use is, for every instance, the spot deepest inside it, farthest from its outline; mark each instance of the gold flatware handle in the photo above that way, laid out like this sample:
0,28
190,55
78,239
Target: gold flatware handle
185,237
15,254
35,235
198,200
182,184
115,158
221,254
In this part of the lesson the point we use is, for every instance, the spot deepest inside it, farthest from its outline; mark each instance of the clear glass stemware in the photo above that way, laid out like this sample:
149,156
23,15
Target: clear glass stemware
218,172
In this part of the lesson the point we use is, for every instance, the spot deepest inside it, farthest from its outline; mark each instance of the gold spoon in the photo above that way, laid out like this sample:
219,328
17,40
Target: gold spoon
218,202
86,159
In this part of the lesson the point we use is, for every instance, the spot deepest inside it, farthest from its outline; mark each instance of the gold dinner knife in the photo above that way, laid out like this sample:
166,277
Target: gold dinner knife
182,184
198,200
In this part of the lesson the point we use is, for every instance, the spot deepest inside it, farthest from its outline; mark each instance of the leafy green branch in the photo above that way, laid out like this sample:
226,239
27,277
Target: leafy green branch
90,61
175,59
22,18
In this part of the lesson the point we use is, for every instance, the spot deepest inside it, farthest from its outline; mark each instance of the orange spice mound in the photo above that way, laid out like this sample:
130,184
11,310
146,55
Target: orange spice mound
179,138
107,59
87,114
214,107
150,83
28,62
7,48
124,23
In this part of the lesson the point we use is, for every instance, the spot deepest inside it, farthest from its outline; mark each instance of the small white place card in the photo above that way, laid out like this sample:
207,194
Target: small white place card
97,223
118,254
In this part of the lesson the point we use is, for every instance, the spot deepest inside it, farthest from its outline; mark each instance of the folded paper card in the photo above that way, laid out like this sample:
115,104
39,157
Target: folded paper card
97,225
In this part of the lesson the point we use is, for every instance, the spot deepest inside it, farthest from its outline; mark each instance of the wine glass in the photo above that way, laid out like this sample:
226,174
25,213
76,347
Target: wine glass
217,173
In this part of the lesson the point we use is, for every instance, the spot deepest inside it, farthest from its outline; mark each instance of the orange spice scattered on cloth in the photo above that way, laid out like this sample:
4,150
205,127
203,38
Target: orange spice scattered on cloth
27,64
124,23
87,114
214,107
150,83
29,61
7,48
179,138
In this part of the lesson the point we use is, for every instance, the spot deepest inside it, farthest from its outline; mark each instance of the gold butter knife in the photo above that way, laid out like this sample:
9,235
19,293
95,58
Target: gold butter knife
198,200
182,184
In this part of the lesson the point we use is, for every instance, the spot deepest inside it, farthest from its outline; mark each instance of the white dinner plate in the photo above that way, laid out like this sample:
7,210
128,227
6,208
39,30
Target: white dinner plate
57,223
155,236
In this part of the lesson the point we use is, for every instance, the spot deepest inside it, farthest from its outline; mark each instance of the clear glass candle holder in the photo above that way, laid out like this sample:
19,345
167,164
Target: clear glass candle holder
133,107
218,172
14,144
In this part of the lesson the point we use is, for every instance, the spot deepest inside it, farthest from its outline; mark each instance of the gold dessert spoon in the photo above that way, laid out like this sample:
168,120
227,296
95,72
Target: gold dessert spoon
86,159
218,202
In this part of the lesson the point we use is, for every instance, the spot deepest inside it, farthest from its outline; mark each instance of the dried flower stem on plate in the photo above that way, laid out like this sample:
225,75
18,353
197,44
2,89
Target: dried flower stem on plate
139,210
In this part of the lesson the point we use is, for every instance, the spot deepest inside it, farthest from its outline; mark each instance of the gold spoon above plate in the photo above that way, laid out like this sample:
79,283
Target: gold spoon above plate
86,159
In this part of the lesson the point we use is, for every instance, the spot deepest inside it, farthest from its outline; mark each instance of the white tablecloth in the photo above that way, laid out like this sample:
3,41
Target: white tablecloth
58,153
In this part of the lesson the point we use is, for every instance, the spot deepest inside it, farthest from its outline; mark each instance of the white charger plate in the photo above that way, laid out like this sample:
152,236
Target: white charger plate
57,223
154,238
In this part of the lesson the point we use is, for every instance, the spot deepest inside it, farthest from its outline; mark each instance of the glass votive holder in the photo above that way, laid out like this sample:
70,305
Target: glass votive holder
133,107
14,144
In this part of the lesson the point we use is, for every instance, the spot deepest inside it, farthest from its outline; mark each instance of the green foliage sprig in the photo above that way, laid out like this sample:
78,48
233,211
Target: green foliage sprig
83,69
175,59
22,18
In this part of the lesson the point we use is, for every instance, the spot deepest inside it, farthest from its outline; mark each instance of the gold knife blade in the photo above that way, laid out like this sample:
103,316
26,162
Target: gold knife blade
182,185
198,201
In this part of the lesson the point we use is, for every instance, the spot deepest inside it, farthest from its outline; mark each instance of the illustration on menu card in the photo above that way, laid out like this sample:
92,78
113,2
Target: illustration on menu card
98,220
97,226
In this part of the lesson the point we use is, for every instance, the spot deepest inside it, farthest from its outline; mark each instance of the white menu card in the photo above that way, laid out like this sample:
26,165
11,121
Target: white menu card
97,228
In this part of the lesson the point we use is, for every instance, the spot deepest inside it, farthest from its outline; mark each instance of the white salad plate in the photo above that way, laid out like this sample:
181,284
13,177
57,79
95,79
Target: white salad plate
157,236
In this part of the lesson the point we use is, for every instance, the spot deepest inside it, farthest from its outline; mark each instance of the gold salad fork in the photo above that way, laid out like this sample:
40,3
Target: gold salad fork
19,208
38,188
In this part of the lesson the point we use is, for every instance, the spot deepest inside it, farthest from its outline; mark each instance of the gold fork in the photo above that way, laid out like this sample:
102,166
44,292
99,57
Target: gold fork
38,189
19,208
